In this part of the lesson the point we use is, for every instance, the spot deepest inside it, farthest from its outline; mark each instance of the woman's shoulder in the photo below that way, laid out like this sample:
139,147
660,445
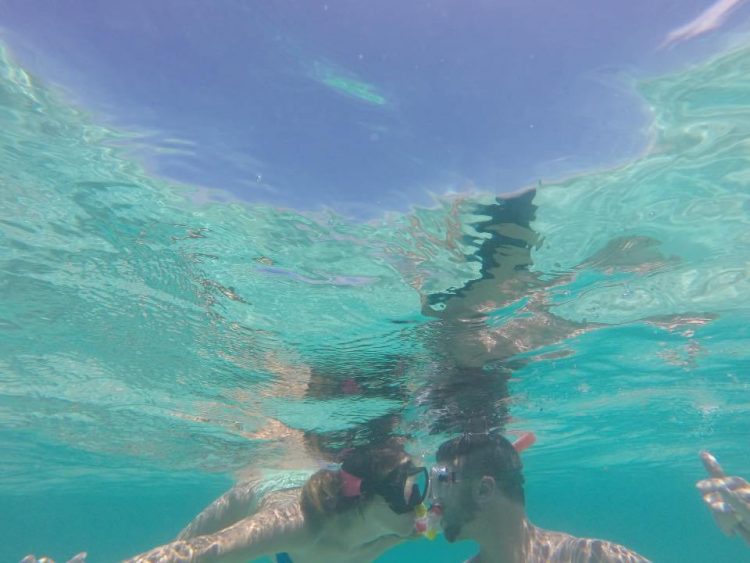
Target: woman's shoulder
282,499
266,482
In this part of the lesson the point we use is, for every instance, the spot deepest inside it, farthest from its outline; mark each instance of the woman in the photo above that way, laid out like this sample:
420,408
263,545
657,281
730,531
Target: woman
351,513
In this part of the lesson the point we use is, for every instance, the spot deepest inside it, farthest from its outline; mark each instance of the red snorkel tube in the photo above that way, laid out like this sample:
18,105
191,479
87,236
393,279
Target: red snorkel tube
524,441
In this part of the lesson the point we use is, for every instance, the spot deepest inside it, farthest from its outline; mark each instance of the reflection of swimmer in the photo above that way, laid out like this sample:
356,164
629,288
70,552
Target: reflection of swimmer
475,351
462,393
473,356
478,487
728,498
469,391
354,512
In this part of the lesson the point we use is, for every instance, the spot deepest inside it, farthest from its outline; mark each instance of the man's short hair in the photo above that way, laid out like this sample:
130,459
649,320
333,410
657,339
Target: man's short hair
487,454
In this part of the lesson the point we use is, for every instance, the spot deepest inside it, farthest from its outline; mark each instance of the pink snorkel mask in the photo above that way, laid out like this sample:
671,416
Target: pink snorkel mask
351,485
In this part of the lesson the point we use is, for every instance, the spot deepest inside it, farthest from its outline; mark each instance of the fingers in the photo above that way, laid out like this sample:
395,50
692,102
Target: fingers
728,498
712,466
719,484
739,500
722,512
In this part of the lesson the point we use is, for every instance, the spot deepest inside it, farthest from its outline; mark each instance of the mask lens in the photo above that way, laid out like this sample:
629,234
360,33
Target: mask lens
441,474
440,477
415,486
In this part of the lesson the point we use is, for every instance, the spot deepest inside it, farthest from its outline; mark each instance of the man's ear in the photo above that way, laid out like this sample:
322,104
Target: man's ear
484,489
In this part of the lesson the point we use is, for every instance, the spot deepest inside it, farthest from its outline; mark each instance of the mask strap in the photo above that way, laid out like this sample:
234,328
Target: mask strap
351,486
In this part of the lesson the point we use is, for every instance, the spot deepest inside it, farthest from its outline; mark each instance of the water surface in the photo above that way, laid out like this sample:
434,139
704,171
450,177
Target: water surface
155,345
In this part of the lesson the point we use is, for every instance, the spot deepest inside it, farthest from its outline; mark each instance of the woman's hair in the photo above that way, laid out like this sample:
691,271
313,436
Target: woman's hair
324,493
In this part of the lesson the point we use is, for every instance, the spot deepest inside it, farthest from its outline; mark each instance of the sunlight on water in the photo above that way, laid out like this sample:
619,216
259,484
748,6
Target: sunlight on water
144,332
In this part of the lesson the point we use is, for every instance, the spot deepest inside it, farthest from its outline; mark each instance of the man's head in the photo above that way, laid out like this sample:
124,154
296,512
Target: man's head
475,473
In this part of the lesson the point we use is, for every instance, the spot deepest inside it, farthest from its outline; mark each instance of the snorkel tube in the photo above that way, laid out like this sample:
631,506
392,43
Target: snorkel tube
524,441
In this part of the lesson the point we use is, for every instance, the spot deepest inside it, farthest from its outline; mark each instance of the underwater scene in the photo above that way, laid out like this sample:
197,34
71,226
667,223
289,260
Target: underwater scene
159,344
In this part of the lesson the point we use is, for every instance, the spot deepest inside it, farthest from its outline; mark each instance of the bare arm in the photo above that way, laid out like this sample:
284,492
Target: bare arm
234,505
276,527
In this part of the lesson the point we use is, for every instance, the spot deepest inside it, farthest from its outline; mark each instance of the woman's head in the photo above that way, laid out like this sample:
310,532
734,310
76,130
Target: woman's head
382,471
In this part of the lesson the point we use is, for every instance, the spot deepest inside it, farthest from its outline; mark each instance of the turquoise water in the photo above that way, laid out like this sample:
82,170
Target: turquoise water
157,341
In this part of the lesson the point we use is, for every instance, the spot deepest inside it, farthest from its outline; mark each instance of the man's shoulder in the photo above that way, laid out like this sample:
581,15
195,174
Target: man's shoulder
557,546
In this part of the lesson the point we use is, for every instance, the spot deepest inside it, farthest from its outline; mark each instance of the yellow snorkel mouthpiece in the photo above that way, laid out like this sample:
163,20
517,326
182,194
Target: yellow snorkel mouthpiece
426,522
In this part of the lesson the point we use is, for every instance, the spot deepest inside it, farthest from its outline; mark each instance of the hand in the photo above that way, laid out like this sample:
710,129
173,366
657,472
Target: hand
728,498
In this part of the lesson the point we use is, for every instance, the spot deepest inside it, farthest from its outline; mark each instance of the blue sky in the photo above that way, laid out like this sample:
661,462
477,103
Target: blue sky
365,107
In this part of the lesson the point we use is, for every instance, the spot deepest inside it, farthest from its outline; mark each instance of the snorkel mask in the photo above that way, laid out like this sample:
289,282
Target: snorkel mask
440,474
405,488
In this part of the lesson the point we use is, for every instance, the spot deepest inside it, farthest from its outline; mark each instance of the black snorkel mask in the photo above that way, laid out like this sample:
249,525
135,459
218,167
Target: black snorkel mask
405,488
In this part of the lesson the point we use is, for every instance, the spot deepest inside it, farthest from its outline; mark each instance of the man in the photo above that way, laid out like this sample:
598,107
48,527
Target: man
478,484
